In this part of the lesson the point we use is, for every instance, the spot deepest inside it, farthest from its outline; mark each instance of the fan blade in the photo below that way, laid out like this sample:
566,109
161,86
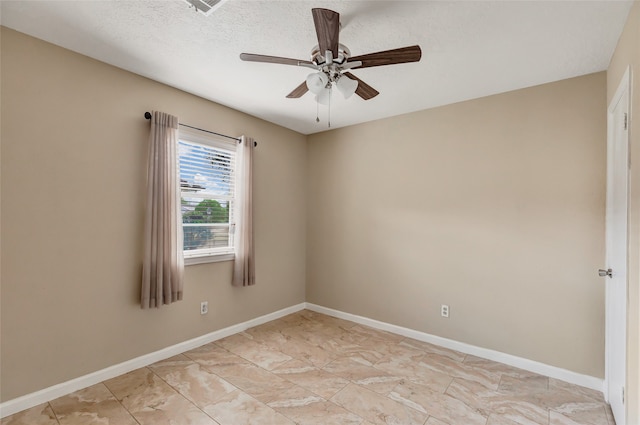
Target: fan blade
389,57
298,91
250,57
327,24
364,90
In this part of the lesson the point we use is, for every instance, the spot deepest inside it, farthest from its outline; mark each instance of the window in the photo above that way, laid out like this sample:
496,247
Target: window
207,185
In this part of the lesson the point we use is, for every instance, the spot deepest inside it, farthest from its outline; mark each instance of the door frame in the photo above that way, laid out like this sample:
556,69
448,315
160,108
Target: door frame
624,87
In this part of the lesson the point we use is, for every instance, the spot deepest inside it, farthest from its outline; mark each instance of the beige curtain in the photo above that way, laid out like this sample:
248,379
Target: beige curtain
163,266
244,265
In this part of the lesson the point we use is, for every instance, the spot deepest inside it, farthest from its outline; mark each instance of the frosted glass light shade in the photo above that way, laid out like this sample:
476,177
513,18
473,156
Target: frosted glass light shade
347,86
316,82
324,97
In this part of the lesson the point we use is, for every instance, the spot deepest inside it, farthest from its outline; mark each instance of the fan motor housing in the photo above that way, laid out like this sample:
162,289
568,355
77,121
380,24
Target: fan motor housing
318,57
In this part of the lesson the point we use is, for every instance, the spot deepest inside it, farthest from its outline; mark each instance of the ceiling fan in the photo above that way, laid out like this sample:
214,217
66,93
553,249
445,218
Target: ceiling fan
332,61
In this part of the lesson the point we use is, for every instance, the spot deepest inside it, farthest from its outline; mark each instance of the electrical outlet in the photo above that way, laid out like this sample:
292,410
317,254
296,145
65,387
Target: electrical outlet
444,310
204,307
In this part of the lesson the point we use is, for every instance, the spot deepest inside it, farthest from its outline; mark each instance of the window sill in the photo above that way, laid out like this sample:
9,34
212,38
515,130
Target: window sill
188,261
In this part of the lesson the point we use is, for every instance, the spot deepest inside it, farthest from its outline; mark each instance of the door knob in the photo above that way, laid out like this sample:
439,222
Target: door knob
603,272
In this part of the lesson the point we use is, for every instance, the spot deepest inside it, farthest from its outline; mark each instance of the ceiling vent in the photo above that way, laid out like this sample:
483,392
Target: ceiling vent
206,7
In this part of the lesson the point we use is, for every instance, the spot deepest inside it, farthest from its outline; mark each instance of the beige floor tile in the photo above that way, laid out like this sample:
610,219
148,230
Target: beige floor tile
192,380
260,354
267,335
496,367
446,365
304,407
376,408
368,356
316,380
362,374
315,335
610,417
594,395
473,394
239,408
587,413
38,415
435,349
488,401
294,347
172,413
351,337
441,406
139,388
255,381
316,412
327,320
567,403
519,384
293,319
559,399
399,350
513,417
559,419
152,401
92,405
292,396
499,419
366,333
434,421
299,349
413,370
212,357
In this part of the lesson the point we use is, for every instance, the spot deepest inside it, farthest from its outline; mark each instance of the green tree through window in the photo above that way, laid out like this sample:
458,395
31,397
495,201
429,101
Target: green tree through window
207,211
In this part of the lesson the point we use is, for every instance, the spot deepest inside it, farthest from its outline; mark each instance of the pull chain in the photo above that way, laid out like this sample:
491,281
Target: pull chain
329,107
329,118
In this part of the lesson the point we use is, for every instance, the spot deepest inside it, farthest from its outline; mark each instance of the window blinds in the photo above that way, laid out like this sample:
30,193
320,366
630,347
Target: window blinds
207,185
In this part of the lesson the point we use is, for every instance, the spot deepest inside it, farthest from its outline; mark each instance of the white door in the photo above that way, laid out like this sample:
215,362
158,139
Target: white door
616,248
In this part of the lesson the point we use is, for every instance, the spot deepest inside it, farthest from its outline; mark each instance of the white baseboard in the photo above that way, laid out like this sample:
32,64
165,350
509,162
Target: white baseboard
485,353
30,400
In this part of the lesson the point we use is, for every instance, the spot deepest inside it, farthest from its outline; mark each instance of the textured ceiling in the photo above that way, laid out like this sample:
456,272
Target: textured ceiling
470,48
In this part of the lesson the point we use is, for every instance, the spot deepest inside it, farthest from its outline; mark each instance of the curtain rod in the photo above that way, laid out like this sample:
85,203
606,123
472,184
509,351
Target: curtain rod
147,115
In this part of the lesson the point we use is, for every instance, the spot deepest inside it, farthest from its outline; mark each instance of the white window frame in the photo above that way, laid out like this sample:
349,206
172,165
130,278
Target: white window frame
209,255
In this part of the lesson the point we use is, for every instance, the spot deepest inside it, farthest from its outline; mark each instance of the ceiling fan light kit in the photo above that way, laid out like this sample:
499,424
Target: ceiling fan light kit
324,97
317,82
332,60
346,86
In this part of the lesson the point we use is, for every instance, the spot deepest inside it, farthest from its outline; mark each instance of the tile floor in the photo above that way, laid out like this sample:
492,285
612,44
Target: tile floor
308,368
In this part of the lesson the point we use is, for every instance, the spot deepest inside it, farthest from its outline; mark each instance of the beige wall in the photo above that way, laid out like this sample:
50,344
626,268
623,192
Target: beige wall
628,54
74,145
493,206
